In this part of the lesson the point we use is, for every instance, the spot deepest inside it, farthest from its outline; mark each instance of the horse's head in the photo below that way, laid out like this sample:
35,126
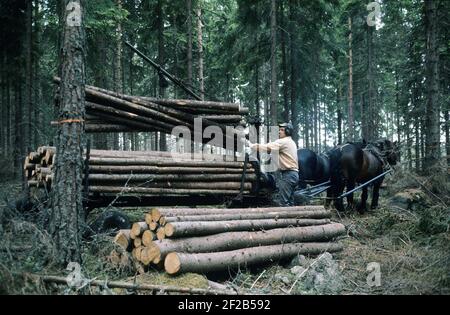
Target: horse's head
390,150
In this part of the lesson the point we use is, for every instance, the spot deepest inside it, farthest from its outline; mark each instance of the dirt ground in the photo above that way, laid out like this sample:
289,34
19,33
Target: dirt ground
407,239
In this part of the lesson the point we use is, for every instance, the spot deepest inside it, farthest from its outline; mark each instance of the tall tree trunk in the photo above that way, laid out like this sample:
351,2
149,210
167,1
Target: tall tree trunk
118,83
28,135
397,107
9,128
100,79
447,135
67,214
339,111
351,128
19,129
161,56
286,116
364,118
189,48
200,50
432,150
319,120
273,64
3,118
315,110
294,73
417,143
38,114
370,113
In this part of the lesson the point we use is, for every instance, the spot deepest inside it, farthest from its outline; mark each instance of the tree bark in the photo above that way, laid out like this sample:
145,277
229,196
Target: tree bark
235,240
29,136
273,64
447,135
156,161
175,191
286,116
294,73
200,50
197,228
168,178
161,56
67,214
339,111
203,211
118,169
321,214
176,263
189,46
351,128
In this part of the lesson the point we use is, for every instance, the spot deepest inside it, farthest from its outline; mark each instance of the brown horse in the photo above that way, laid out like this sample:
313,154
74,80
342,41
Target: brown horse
357,166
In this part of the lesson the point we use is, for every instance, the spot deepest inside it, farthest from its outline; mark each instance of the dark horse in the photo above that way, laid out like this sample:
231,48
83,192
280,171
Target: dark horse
317,168
356,165
313,168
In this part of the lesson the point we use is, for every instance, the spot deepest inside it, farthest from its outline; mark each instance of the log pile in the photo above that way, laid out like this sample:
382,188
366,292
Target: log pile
108,111
146,173
211,239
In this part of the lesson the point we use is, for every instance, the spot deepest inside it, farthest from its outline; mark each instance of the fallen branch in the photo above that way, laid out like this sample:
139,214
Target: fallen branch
135,286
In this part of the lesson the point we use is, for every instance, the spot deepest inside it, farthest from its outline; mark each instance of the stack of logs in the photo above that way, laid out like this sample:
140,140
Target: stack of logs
149,173
38,166
213,239
108,111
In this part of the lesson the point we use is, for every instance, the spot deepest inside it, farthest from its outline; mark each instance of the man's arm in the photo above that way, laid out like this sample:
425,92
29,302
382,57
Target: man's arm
275,146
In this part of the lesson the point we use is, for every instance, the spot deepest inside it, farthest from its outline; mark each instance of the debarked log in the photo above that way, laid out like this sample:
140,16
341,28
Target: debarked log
176,263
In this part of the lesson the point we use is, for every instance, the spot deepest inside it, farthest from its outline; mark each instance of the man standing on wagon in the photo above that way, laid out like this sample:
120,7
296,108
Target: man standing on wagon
286,149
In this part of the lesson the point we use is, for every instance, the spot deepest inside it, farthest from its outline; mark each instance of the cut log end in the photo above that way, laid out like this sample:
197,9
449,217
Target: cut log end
161,233
172,264
122,239
148,237
156,214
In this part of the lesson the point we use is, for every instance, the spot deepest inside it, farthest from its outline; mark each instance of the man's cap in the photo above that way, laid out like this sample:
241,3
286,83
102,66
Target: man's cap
289,129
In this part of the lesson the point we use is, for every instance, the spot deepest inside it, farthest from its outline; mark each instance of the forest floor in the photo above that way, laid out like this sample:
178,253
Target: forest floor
407,239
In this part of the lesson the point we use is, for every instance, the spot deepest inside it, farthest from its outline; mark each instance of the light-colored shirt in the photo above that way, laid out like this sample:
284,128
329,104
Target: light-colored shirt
287,153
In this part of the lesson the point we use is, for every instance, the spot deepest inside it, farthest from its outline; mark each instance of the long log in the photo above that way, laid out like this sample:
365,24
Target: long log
320,214
223,118
104,127
108,189
196,228
176,263
174,155
170,212
162,162
127,169
174,185
234,240
179,103
168,178
130,123
131,118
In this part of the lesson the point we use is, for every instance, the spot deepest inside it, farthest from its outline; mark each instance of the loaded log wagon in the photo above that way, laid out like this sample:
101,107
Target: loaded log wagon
152,178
